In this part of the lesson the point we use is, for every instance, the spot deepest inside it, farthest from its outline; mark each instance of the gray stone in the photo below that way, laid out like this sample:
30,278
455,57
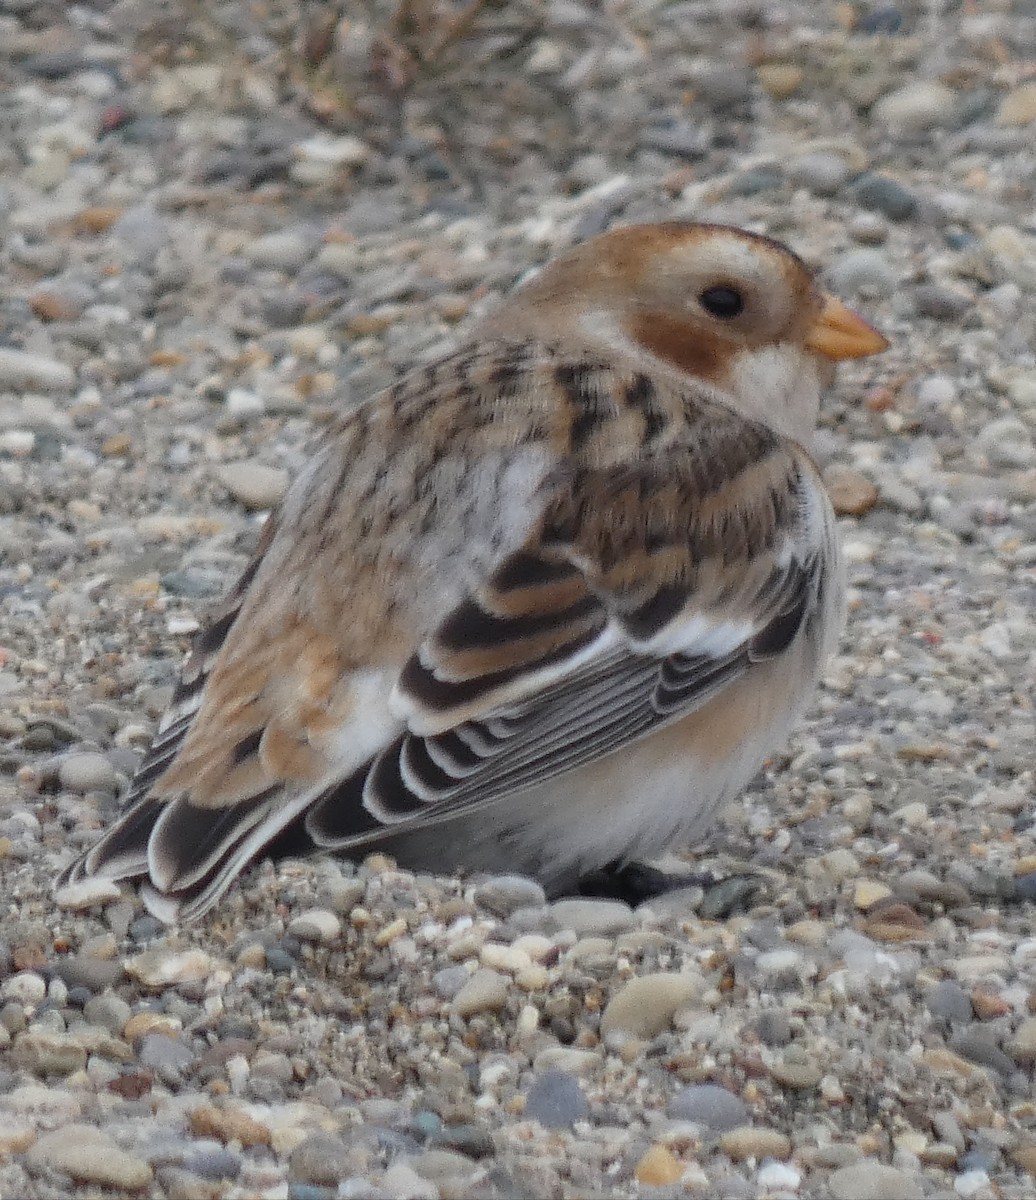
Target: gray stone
1006,442
709,1105
916,107
863,272
949,1001
940,303
108,1011
87,773
872,1180
254,484
88,1155
978,1044
157,1050
502,894
820,173
485,991
21,371
886,196
556,1100
590,918
321,1159
644,1006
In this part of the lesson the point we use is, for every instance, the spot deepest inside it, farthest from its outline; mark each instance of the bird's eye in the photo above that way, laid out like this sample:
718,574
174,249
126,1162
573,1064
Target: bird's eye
722,302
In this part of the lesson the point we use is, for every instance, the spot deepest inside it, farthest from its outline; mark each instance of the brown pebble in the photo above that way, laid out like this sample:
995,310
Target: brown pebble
1024,1157
98,219
852,494
229,1125
659,1167
988,1005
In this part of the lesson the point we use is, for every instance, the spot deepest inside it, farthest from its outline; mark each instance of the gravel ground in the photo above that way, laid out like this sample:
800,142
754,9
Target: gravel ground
221,223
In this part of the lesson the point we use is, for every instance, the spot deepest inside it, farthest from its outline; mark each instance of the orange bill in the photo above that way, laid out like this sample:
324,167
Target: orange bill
839,333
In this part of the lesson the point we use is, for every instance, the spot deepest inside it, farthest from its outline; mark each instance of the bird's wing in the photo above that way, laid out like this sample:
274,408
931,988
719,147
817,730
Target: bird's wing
632,594
644,593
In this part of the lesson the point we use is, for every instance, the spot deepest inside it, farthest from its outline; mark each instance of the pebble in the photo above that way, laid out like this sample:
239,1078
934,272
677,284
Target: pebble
885,195
83,773
864,272
940,303
21,371
160,968
709,1105
872,1180
257,486
1007,442
89,1156
592,918
44,1053
751,1141
658,1167
85,893
916,107
556,1100
852,493
821,173
485,991
316,925
644,1007
282,251
949,1001
321,1159
504,894
1018,107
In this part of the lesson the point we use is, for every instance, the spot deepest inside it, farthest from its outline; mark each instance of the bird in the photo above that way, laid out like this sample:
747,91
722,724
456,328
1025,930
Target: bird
542,606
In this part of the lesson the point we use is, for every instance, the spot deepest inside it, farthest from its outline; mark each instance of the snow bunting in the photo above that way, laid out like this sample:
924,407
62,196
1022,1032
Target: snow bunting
542,606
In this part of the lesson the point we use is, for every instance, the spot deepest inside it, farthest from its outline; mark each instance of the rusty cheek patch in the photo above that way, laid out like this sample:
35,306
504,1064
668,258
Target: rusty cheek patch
682,343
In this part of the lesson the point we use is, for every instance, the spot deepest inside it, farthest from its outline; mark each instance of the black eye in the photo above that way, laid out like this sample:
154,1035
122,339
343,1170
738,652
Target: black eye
722,301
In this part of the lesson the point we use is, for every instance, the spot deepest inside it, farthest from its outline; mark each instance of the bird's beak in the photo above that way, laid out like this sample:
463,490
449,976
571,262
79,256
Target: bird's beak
839,333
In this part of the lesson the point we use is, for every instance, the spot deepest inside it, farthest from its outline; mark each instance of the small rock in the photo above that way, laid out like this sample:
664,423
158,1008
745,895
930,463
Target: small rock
556,1100
864,272
485,991
949,1001
1006,442
748,1141
88,1155
796,1075
83,773
940,303
868,892
20,371
502,894
852,494
280,251
85,893
885,195
915,107
872,1180
1022,1047
44,1053
257,486
322,1159
567,1059
228,1125
780,80
936,391
316,925
645,1005
821,173
160,969
658,1167
158,1050
592,918
709,1105
1018,107
978,1044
